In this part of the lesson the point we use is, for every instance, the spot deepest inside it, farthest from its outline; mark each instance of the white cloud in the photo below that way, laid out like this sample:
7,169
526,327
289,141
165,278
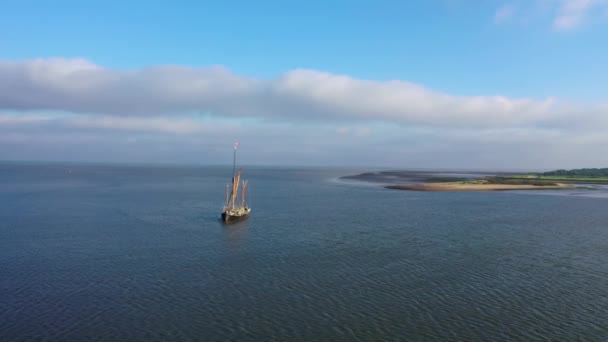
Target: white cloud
572,13
156,139
15,119
70,109
564,15
79,86
139,124
504,13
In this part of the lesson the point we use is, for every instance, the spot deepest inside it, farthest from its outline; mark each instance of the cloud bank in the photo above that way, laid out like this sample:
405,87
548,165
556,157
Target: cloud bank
74,109
80,86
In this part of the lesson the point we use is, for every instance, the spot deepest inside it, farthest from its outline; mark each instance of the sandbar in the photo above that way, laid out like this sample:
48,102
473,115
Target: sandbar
475,186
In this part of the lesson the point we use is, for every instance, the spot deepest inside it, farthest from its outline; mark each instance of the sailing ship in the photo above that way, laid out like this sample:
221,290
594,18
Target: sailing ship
234,211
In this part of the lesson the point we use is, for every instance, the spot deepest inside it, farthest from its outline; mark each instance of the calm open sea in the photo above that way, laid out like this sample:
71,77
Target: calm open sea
90,252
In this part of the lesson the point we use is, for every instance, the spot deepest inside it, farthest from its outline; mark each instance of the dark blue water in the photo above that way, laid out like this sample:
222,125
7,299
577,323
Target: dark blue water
137,253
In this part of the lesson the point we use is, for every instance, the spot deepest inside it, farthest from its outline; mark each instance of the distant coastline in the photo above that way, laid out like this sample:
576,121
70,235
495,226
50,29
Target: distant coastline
476,186
482,181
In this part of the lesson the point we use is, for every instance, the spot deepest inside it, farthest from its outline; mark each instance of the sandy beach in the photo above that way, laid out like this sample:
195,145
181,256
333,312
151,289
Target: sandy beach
466,186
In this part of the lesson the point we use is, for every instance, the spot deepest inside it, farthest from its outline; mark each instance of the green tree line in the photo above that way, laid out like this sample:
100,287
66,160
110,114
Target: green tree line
579,172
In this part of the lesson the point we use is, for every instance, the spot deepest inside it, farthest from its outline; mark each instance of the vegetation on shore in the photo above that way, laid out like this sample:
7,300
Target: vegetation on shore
461,181
520,181
591,173
495,183
493,180
585,180
480,185
597,176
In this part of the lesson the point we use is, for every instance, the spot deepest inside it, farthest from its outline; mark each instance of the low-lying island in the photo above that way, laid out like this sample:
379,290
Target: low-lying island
477,185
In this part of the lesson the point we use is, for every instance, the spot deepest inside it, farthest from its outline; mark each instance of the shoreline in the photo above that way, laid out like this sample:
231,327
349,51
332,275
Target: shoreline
466,186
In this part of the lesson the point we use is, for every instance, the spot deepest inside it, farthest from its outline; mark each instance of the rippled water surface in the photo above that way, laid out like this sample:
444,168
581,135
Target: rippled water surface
137,253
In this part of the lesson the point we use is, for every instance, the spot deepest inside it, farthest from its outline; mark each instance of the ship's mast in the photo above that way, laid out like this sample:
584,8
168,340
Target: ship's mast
243,193
236,144
233,194
235,190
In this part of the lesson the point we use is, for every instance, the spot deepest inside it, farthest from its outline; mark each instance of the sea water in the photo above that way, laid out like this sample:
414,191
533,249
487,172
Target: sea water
110,252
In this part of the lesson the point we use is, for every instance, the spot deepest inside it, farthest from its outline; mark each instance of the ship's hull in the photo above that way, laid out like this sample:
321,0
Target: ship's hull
233,218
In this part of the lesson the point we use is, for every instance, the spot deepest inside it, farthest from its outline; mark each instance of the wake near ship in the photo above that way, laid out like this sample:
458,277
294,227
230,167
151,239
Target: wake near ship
233,211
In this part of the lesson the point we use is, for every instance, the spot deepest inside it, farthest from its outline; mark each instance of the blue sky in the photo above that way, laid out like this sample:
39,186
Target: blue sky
532,50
